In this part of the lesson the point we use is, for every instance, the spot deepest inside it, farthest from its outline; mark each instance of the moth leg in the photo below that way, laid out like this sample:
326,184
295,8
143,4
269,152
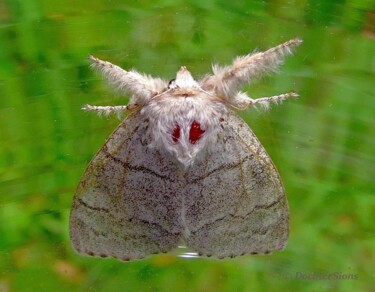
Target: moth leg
245,68
227,80
105,110
142,87
266,101
242,101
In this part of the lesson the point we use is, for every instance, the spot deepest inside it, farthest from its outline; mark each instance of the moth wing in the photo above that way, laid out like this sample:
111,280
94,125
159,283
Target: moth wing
128,201
235,202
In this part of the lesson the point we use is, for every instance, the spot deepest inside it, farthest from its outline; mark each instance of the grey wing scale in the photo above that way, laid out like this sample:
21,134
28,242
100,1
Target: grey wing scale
235,202
127,204
134,200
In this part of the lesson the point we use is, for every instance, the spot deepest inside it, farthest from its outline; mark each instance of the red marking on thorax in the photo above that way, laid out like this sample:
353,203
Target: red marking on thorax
195,133
176,134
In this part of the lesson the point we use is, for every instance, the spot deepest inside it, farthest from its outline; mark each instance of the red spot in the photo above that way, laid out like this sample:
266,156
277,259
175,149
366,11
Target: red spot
195,132
221,120
176,134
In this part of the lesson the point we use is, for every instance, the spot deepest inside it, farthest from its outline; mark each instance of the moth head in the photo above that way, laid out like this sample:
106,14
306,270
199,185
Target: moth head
184,80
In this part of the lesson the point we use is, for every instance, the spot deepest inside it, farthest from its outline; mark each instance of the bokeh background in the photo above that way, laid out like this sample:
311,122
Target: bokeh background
322,143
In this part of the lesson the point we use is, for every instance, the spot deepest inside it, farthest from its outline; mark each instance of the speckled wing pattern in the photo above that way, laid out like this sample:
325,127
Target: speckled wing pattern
235,201
134,200
126,205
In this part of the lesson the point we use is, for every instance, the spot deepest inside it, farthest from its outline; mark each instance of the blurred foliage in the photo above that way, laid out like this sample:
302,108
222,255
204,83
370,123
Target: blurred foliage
322,143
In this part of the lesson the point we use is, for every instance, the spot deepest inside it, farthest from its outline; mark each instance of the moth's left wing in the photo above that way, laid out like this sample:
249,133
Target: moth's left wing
128,202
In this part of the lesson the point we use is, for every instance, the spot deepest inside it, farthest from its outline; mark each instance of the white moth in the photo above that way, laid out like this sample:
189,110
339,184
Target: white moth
183,168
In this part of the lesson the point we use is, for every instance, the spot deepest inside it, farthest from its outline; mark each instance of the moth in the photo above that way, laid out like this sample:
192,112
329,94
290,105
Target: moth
183,168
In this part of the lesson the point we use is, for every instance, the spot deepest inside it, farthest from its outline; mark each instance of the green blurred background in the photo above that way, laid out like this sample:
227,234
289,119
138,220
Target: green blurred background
322,143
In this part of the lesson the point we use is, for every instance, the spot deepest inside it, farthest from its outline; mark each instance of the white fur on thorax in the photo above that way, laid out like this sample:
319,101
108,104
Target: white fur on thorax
184,100
168,111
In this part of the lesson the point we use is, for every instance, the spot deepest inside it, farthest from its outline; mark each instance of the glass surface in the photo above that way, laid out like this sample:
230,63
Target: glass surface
323,143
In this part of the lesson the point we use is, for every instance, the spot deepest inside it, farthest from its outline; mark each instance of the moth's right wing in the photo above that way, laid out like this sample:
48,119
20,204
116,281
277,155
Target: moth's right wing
128,202
235,202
